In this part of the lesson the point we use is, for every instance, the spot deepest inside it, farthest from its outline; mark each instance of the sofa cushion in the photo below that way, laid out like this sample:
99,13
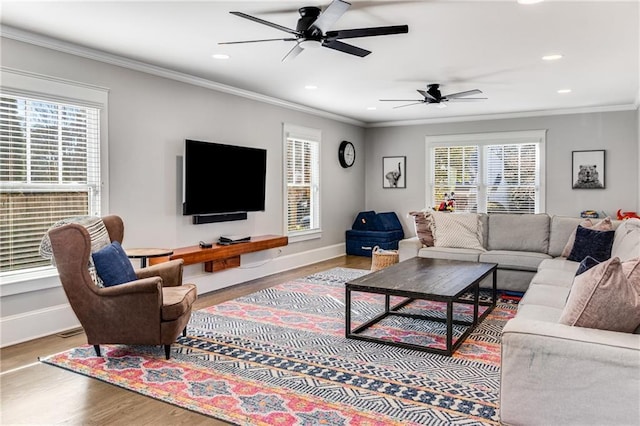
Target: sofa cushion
555,277
457,230
561,229
559,263
470,255
423,222
539,312
606,297
546,295
590,242
519,232
626,243
522,260
603,225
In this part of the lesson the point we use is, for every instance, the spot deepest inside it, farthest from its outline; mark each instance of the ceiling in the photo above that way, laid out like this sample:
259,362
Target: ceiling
495,46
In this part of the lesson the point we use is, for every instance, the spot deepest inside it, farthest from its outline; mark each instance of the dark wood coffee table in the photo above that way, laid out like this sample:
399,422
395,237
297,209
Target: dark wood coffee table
427,279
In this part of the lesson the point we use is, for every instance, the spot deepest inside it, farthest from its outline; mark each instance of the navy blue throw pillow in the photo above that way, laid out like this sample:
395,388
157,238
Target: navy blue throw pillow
113,265
589,242
586,264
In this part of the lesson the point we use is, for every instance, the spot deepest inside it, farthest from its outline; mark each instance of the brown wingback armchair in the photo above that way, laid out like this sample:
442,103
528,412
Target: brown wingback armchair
153,310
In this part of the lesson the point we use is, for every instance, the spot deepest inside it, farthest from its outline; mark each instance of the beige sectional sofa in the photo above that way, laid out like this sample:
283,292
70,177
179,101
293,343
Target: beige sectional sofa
553,373
518,243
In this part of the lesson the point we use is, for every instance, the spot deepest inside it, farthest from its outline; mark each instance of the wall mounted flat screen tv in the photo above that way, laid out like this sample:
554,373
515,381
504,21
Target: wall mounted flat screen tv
220,178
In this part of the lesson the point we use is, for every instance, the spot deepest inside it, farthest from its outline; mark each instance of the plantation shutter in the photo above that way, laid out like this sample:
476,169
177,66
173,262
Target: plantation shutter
455,170
302,184
511,182
49,170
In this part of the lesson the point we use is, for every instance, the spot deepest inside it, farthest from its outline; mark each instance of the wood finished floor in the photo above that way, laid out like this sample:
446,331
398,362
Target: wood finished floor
38,394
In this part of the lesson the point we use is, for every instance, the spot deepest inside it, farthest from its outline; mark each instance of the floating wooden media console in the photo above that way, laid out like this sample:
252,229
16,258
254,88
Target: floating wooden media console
220,257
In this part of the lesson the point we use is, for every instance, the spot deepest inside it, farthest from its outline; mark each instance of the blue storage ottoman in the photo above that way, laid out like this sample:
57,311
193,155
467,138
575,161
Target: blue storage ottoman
372,229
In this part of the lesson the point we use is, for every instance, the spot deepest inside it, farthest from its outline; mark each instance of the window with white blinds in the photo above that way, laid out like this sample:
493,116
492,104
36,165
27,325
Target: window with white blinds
489,172
302,177
456,176
511,183
49,170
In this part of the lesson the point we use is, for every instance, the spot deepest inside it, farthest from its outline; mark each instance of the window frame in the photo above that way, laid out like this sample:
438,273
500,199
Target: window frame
52,89
482,140
290,131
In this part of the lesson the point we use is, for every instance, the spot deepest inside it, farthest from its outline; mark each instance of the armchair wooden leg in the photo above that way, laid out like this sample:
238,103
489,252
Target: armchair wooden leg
97,349
167,351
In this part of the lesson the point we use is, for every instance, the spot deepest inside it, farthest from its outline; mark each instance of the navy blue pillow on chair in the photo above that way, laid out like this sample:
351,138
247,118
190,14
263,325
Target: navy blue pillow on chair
589,242
113,265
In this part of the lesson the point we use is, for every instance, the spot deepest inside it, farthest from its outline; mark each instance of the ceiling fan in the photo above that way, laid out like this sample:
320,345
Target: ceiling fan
312,30
433,96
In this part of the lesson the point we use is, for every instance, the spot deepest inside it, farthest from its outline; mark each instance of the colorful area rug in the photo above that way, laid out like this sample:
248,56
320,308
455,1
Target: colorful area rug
279,357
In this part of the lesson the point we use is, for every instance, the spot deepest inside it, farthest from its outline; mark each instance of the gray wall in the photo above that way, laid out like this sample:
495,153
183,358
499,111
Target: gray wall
149,119
150,116
615,132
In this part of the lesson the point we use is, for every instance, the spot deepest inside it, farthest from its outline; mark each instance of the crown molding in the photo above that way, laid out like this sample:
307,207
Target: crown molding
98,55
101,56
523,114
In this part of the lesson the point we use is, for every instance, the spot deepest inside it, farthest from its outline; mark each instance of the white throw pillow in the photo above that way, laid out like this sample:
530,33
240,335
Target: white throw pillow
457,230
626,243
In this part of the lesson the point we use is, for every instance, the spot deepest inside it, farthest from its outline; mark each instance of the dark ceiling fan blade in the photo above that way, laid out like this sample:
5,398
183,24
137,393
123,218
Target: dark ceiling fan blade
427,95
270,24
446,98
331,14
415,103
466,93
295,51
258,41
401,100
346,48
367,32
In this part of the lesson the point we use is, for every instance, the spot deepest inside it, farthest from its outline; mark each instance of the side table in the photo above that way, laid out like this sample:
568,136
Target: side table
145,253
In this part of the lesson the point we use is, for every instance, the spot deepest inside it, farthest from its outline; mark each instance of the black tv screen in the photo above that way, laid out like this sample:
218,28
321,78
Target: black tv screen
219,178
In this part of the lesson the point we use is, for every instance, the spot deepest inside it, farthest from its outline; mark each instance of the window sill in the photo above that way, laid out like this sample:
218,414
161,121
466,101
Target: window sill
304,236
25,282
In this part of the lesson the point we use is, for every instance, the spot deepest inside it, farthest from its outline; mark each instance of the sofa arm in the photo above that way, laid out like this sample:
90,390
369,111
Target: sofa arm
556,374
408,248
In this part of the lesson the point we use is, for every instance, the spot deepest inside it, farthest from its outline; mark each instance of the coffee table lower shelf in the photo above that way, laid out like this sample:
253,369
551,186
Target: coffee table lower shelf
393,310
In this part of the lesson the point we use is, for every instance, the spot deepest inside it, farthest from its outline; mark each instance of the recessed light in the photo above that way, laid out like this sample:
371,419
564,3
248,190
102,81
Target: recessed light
553,57
311,87
564,91
529,1
220,56
371,108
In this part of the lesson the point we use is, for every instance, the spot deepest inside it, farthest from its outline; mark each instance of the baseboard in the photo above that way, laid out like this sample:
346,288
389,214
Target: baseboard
44,322
34,324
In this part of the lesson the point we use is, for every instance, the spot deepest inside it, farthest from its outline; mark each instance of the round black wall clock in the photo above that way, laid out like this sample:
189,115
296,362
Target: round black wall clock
346,154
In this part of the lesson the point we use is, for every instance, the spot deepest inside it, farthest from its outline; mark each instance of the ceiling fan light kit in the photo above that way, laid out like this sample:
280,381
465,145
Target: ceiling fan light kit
312,30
